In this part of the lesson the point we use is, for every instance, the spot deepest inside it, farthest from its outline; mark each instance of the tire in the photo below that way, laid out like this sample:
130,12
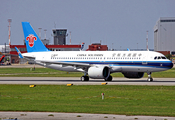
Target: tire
84,78
150,79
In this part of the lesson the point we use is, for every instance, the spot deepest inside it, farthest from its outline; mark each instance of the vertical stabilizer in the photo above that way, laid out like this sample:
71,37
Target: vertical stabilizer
33,42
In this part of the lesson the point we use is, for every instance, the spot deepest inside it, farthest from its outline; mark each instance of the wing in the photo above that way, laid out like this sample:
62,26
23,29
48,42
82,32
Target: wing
75,64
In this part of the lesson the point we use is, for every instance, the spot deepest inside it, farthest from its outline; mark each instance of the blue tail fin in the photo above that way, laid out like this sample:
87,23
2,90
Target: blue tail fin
33,43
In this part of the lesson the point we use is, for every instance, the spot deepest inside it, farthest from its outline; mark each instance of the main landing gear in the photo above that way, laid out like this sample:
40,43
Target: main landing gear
109,78
85,77
149,77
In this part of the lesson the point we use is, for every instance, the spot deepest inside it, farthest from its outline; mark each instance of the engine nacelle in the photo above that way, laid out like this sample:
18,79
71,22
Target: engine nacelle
99,72
133,74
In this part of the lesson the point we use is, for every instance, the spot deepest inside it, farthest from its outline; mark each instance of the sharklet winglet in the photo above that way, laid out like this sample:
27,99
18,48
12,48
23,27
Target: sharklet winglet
19,53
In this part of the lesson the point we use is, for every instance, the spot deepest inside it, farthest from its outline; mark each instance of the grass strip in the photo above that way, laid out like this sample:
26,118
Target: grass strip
120,99
47,72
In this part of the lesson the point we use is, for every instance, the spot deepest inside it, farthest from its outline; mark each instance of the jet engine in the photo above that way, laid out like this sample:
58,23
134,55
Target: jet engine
99,72
133,74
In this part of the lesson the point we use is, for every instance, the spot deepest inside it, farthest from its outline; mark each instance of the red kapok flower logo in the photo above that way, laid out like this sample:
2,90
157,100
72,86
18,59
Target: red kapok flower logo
31,39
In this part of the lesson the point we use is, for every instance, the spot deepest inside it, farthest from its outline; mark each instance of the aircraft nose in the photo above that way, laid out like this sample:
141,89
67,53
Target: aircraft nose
171,65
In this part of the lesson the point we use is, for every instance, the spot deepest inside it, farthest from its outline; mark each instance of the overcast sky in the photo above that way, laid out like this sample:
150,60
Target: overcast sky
122,23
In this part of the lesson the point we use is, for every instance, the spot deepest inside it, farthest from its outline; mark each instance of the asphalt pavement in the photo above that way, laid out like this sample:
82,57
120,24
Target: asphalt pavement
73,116
77,81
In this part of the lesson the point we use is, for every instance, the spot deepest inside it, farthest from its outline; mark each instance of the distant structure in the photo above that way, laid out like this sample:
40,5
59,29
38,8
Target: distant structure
9,20
147,41
97,47
70,37
164,35
59,36
45,41
40,32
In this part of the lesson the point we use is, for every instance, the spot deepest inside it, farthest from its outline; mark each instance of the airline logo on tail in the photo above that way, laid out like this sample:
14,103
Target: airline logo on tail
31,38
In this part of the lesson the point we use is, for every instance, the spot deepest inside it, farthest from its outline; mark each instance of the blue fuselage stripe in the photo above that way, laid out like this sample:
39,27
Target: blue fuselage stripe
160,64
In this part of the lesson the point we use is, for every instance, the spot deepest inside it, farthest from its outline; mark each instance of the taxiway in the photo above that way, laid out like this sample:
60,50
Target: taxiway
77,81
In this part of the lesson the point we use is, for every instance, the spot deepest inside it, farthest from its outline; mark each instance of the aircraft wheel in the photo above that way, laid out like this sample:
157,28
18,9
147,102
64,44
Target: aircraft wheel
150,79
109,78
84,78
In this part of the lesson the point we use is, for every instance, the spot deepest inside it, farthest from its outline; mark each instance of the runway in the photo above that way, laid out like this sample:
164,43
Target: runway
77,81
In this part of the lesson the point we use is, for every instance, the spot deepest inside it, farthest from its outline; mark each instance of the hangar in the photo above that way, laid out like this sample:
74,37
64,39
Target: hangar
164,35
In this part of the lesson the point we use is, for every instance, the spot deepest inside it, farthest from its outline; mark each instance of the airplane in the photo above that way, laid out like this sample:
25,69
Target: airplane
94,64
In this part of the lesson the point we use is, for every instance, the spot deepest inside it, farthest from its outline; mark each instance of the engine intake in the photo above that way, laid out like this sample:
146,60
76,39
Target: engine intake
99,72
133,74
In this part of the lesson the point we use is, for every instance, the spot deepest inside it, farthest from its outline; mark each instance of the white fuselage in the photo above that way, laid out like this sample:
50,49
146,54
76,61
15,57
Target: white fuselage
117,61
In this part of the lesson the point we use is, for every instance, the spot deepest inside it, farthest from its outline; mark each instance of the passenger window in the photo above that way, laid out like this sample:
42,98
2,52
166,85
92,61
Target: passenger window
118,54
134,55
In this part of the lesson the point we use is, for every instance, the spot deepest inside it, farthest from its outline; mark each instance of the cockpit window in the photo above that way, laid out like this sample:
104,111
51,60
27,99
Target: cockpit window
163,57
160,57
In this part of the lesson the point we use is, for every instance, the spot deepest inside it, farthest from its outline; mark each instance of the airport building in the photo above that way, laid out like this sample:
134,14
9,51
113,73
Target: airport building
97,47
59,36
164,35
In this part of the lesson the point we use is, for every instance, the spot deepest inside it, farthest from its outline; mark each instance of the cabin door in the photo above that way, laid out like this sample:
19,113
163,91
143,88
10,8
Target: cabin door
144,59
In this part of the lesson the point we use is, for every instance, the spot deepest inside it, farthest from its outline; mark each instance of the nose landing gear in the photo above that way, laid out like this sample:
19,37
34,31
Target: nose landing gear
150,79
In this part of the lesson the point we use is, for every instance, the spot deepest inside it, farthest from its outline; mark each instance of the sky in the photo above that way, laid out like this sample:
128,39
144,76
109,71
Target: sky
120,24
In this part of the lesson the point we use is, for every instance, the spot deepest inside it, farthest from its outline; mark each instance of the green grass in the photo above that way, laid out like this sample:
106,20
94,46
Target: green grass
120,99
47,72
38,72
